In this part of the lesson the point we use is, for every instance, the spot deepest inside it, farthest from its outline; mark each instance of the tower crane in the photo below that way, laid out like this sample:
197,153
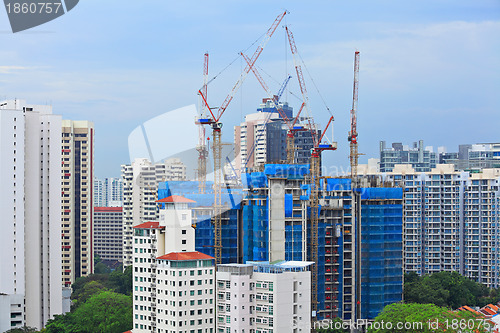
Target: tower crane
356,198
276,99
353,133
201,147
291,123
214,122
314,205
305,103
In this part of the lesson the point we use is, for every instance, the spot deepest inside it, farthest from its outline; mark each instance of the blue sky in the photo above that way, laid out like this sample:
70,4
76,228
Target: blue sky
429,69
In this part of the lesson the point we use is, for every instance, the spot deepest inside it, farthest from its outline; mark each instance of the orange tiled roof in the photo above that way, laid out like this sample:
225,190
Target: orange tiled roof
185,256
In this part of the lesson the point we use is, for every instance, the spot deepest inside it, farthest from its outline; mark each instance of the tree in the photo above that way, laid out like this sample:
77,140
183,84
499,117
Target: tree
447,289
24,329
89,289
425,318
106,311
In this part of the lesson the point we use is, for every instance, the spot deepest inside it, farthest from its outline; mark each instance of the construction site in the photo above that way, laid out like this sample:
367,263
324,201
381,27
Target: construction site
272,202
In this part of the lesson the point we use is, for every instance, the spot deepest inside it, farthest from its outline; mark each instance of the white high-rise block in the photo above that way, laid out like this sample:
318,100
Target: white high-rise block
30,206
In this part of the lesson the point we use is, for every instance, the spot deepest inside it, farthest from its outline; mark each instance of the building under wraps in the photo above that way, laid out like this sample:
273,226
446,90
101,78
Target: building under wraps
267,220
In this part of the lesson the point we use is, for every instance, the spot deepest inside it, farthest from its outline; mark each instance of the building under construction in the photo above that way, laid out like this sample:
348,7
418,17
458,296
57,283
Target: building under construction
268,220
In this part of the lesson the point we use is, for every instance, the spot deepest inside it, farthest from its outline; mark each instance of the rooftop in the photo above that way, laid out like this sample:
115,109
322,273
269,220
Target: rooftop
175,199
149,225
108,209
185,256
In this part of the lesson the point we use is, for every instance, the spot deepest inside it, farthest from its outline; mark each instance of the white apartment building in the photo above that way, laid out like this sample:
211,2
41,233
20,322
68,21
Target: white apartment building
450,220
173,284
77,176
259,297
482,225
251,139
30,241
140,187
108,192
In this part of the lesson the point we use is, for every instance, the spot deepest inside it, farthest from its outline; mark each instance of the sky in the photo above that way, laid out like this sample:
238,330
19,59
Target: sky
428,69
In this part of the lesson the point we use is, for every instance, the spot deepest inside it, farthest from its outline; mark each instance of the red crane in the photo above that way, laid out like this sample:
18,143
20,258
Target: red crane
292,125
353,133
214,121
314,205
201,147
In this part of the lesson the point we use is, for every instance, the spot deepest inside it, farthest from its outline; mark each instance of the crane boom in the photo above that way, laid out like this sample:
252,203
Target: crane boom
214,122
254,58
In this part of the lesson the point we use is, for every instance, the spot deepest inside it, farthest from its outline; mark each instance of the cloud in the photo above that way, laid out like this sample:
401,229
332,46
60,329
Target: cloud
11,69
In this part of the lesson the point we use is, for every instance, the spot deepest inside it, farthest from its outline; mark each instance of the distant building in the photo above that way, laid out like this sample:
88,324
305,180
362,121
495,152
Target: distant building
261,138
451,220
140,186
173,285
30,206
108,192
108,233
263,297
77,207
474,157
420,158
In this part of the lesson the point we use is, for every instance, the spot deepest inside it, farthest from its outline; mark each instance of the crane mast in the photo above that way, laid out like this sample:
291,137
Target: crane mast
201,147
214,122
356,198
315,170
353,134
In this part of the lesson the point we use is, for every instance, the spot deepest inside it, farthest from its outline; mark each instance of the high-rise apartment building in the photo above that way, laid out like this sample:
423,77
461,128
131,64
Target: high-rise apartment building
473,157
450,220
108,234
420,158
173,285
140,186
261,138
108,192
30,241
264,297
77,207
275,227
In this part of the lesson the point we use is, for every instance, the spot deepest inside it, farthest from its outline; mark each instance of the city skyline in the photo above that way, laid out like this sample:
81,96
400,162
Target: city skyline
423,66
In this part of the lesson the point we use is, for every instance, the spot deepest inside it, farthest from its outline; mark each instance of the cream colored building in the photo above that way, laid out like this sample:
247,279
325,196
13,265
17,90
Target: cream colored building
77,176
173,285
140,188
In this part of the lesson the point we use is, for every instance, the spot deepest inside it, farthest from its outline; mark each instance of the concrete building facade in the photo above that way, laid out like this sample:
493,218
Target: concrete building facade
173,284
108,233
450,220
30,241
77,177
140,188
419,157
108,192
263,297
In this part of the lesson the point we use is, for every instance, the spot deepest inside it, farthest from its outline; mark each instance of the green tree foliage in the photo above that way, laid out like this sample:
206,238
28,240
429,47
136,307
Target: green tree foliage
118,281
104,311
448,289
101,268
88,290
423,318
24,329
